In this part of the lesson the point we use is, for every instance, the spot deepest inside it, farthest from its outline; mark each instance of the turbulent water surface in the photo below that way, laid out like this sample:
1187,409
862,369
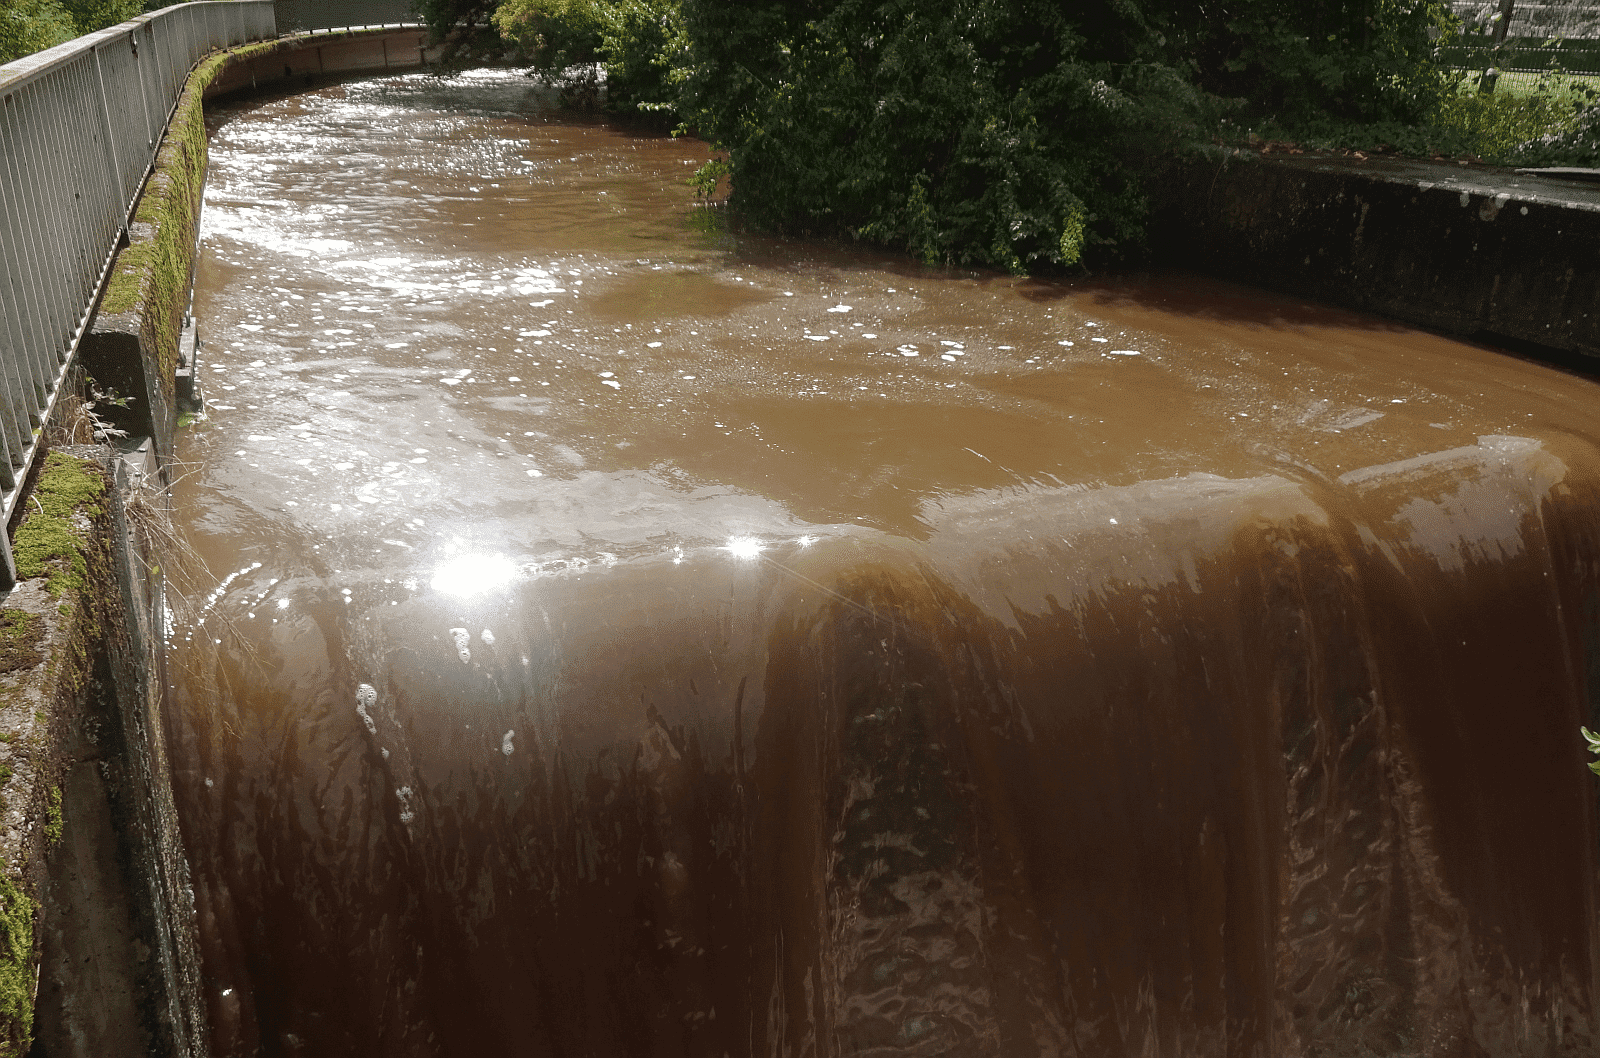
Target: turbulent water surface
625,638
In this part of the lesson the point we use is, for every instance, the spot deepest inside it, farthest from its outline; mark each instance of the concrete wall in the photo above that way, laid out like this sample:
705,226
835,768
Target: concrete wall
1484,253
90,837
120,969
301,60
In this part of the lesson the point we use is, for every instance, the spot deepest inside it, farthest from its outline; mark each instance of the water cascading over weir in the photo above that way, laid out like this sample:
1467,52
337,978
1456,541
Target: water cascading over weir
628,637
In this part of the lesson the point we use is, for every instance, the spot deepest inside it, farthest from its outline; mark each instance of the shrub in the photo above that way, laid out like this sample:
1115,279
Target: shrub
27,26
987,133
1358,61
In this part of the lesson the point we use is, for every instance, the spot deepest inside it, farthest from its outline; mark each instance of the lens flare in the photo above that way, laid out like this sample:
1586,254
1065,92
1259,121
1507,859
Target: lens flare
473,574
745,547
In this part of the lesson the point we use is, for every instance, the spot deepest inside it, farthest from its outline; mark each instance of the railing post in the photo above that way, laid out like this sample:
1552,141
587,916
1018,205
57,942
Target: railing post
20,244
144,96
1501,27
124,195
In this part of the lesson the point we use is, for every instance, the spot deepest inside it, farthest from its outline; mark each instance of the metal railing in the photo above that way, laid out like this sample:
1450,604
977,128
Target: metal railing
80,124
305,16
79,127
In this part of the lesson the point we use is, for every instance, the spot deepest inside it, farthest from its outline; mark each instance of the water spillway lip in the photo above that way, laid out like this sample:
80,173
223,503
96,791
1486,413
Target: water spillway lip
1562,172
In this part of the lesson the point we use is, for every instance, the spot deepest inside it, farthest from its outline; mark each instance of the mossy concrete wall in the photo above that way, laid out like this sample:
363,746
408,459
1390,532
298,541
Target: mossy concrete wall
133,350
97,947
1481,252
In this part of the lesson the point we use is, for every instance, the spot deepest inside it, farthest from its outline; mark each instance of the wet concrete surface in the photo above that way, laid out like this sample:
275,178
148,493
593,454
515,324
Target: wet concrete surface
628,637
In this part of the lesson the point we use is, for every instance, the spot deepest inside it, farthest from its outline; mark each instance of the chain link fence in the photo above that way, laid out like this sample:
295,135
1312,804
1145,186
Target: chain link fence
1524,42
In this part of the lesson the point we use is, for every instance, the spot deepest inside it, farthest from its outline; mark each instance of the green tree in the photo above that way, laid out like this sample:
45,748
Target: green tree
90,15
27,26
465,31
1353,60
995,132
636,42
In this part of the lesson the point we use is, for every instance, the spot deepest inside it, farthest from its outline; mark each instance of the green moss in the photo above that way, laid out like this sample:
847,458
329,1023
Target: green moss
47,544
153,274
20,635
53,820
16,968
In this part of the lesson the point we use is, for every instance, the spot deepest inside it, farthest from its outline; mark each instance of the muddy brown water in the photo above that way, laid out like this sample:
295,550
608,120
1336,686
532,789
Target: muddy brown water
626,638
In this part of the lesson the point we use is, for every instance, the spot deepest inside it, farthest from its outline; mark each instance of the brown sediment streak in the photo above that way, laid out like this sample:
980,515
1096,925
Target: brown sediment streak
1212,690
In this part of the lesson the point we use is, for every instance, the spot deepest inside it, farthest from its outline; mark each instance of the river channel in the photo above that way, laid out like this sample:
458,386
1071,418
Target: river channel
627,637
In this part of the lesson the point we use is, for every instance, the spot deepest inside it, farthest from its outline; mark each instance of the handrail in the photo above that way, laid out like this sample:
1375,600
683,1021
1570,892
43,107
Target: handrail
80,125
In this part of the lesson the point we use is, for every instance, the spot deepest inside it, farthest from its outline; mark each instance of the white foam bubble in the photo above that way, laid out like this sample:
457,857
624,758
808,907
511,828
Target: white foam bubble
366,698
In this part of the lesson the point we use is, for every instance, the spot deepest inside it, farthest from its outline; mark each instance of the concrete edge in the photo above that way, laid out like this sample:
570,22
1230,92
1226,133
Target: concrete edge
80,696
1476,252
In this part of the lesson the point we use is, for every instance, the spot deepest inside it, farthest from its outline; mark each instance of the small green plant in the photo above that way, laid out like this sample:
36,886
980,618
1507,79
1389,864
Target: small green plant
1594,747
53,822
16,966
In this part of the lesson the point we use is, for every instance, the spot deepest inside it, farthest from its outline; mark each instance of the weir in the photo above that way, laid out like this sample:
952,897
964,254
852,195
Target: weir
600,631
637,637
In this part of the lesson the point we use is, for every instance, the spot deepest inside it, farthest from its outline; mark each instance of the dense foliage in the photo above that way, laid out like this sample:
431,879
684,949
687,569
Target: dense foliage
1009,133
986,131
1577,144
466,30
638,42
27,26
1356,60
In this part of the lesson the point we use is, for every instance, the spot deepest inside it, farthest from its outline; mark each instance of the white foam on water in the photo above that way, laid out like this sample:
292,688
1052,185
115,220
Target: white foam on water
366,698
